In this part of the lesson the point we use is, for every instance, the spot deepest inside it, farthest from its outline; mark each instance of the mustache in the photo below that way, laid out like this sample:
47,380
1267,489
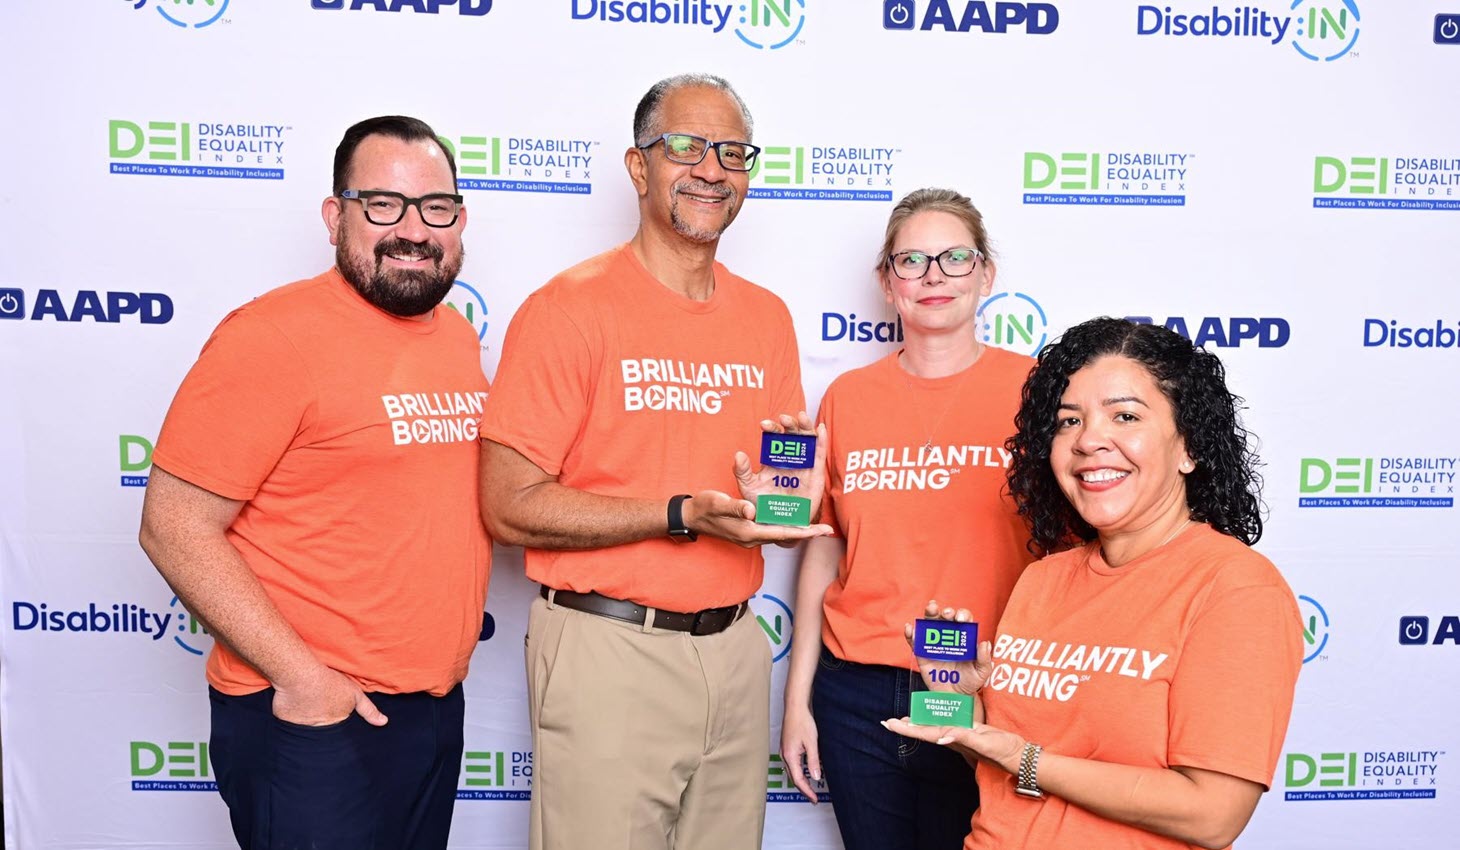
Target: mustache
405,246
702,188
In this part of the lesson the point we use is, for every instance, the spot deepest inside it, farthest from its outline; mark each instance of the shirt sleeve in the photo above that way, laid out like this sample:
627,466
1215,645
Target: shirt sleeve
242,404
1232,693
539,401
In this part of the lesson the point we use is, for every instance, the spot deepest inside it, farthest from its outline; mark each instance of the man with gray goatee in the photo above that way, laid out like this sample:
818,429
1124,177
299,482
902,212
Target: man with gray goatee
613,450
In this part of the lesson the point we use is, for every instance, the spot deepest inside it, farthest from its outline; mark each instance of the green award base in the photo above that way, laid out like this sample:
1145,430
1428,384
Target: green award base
778,509
937,708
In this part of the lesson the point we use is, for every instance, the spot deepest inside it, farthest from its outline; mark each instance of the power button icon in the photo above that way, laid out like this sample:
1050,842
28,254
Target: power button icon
898,14
1414,631
12,304
1447,28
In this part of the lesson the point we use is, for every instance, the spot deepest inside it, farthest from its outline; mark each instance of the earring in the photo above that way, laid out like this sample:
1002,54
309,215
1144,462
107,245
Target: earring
1187,466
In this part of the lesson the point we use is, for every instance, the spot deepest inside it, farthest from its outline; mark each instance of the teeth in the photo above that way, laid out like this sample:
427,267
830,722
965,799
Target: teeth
1102,475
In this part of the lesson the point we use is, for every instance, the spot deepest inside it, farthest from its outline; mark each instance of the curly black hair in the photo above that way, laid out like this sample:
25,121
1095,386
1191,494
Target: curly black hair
1224,489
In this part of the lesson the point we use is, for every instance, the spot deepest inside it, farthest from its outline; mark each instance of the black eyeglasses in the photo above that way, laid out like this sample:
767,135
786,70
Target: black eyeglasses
387,208
691,150
955,262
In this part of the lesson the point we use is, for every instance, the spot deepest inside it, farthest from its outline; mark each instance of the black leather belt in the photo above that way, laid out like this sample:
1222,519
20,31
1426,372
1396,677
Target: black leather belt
707,622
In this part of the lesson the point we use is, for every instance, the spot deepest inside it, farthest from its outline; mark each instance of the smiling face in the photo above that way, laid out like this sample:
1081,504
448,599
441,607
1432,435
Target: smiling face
691,202
936,302
405,268
1117,454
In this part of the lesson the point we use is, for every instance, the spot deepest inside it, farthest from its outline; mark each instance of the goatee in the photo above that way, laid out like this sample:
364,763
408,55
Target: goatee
400,292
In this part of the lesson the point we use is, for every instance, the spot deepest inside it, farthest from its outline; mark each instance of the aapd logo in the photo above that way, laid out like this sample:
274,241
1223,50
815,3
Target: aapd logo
1415,631
149,308
188,14
971,15
1214,331
471,8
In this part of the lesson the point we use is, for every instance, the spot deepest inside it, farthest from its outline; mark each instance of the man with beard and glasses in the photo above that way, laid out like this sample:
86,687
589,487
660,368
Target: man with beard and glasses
630,387
313,500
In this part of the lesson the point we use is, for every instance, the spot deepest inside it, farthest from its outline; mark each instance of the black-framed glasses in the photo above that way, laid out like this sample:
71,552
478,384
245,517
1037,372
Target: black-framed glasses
387,208
955,262
691,150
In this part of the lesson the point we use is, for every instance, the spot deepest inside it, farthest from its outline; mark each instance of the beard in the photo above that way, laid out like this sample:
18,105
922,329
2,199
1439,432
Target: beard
399,292
699,234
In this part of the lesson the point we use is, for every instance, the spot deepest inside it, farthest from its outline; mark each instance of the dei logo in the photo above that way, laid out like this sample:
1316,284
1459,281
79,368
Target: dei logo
971,16
1372,775
495,775
136,457
523,163
195,14
780,788
824,173
1386,183
1127,178
197,149
1213,331
1377,482
171,766
470,8
149,308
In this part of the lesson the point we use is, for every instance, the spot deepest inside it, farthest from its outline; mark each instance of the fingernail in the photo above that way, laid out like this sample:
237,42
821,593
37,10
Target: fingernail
946,739
816,774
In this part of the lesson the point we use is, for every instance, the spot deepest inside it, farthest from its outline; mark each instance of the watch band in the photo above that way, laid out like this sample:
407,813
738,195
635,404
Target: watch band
1028,785
678,531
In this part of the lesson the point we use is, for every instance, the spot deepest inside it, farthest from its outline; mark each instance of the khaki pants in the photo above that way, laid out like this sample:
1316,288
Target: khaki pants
643,738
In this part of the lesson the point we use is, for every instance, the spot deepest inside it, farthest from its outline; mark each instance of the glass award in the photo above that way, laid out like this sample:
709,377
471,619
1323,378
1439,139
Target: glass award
792,456
944,641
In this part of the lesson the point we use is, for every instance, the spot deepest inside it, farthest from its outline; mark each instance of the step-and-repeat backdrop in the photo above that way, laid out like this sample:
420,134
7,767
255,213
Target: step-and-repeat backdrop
1279,180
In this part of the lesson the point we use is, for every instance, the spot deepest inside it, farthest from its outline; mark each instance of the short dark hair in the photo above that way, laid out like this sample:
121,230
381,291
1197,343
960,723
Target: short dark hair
647,116
1224,489
396,127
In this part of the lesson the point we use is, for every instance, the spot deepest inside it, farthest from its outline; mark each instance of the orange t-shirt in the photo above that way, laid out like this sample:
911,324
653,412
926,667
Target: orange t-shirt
1186,656
921,521
351,437
621,387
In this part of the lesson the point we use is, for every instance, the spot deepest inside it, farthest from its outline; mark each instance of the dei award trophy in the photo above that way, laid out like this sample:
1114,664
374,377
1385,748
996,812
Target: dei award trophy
943,640
792,456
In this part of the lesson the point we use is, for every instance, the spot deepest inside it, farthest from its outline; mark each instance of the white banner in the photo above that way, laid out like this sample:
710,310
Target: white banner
1279,180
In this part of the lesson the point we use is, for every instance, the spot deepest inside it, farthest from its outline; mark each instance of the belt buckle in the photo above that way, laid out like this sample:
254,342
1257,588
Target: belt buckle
697,626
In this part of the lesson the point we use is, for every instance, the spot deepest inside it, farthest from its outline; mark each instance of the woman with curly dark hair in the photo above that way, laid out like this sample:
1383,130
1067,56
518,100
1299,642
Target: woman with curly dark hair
1140,684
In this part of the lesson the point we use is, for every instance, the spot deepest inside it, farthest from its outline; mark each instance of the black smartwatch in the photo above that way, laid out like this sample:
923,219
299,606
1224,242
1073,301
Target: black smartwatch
678,531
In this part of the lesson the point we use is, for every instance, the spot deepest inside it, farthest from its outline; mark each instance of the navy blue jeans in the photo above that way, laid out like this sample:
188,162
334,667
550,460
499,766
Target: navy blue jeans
888,792
349,786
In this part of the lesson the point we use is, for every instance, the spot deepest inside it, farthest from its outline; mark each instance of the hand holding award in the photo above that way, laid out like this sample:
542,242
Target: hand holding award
953,664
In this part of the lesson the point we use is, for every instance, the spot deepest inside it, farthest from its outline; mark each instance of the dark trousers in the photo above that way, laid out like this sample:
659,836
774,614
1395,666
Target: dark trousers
349,786
888,792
